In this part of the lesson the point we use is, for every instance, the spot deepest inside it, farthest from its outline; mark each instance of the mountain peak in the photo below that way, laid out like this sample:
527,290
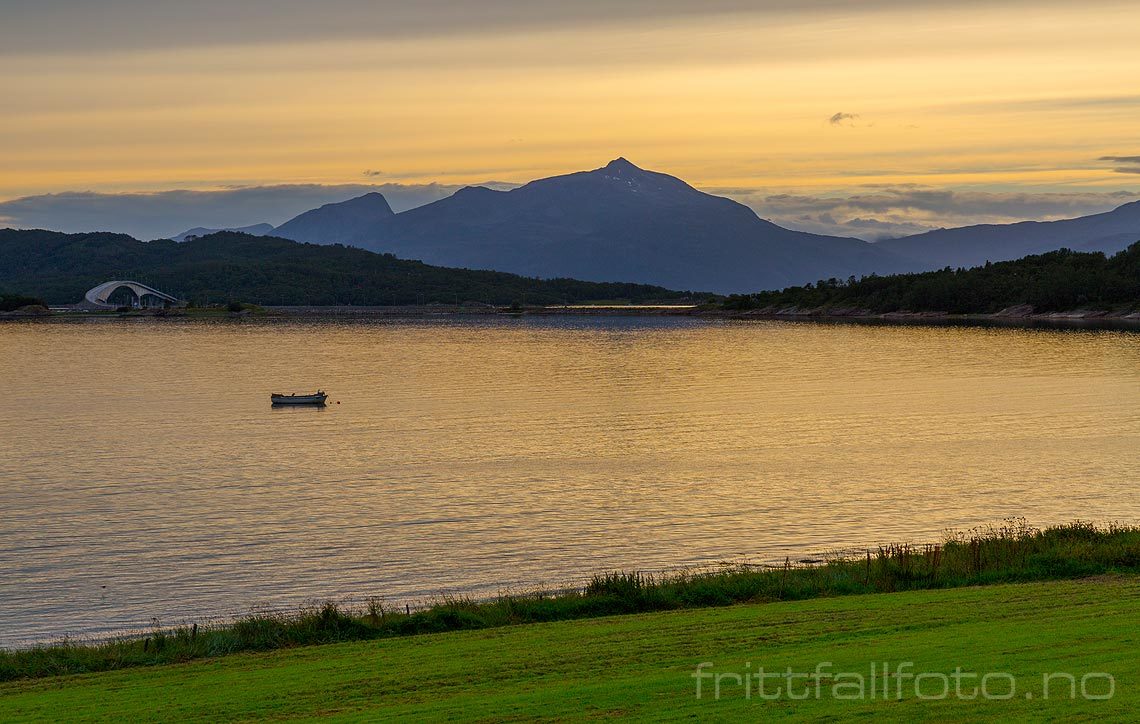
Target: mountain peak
372,198
621,174
339,222
474,191
620,164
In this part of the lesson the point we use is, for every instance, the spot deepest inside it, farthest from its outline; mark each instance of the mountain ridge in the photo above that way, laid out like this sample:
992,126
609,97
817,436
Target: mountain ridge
253,229
968,246
623,223
617,222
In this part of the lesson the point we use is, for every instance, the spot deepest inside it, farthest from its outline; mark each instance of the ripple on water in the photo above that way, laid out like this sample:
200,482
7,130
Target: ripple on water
143,473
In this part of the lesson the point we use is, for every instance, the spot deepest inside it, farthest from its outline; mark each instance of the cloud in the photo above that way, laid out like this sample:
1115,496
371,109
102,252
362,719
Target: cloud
64,25
166,213
1131,163
373,172
883,211
843,119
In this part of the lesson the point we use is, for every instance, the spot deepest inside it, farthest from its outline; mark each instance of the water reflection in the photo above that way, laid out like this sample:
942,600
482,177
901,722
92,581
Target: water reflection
143,474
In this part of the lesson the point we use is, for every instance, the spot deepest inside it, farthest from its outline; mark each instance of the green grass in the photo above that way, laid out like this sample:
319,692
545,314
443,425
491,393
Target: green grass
641,666
1010,553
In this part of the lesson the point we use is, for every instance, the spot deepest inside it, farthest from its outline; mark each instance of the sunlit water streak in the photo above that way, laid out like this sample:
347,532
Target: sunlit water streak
144,475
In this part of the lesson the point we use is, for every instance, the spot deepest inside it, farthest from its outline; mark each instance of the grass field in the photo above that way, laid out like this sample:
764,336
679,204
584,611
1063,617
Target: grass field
1012,553
642,665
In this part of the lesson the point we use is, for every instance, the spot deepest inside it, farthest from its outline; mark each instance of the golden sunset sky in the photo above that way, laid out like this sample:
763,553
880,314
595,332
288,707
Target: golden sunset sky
767,97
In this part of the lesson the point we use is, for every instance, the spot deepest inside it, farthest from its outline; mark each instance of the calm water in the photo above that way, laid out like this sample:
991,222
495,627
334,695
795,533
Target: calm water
143,473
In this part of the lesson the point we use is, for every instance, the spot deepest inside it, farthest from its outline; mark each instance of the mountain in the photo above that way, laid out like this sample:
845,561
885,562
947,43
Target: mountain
355,222
267,270
255,230
619,222
971,246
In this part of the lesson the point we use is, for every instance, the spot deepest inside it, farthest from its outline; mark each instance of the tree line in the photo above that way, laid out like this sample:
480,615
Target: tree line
1062,280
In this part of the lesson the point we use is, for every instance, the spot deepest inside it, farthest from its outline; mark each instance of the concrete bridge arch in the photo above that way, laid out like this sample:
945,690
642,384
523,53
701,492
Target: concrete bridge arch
142,295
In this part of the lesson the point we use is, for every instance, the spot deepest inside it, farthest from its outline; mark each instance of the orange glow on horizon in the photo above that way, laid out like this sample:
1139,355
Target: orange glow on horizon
986,97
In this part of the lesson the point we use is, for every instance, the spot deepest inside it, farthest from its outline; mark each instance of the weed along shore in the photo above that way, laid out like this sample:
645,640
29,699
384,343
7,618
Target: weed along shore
1045,651
1012,553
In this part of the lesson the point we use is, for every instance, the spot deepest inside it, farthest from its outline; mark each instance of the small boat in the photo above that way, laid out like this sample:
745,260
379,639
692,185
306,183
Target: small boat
295,399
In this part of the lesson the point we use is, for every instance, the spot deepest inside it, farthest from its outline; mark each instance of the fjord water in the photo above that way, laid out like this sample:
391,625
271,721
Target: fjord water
143,473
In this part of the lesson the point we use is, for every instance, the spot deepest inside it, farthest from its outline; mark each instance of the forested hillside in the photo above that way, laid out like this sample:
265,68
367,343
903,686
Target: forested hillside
266,270
1058,281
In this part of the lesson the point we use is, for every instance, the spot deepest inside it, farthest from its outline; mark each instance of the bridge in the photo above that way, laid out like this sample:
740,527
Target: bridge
141,296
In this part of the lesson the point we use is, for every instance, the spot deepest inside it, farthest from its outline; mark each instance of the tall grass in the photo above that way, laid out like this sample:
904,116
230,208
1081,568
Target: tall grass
1007,553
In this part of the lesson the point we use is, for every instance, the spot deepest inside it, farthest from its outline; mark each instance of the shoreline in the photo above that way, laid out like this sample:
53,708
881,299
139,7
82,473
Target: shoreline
1077,319
1016,317
1012,553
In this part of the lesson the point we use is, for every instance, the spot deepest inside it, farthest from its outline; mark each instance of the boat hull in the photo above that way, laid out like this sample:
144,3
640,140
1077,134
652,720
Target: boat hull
298,399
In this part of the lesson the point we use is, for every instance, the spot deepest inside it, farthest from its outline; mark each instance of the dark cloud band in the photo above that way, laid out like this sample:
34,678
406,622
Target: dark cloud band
47,26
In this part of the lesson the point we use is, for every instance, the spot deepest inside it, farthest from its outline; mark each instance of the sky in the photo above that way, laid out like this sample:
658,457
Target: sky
873,118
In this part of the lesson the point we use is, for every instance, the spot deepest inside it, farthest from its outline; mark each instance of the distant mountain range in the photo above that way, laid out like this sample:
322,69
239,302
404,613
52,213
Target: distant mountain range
621,222
971,246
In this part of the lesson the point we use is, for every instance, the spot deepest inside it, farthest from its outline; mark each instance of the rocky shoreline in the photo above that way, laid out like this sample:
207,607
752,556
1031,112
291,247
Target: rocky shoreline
31,310
1021,314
